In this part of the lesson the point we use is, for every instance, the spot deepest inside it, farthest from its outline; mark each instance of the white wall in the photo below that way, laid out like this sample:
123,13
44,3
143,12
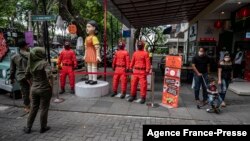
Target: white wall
206,30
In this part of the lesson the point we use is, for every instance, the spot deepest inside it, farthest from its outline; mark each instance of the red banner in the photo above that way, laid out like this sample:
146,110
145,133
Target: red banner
171,85
3,46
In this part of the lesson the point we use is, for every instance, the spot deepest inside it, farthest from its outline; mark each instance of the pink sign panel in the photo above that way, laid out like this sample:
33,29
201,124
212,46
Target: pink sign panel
29,38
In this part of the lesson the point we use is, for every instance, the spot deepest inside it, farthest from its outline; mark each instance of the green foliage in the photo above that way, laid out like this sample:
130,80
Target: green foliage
93,10
89,9
153,36
161,50
7,10
15,12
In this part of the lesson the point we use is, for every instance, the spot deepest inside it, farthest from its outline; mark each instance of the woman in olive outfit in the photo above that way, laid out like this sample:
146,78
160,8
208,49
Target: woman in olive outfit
225,76
39,72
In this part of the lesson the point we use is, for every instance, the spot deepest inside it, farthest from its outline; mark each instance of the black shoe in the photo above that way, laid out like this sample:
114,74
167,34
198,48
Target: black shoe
93,82
122,96
88,81
72,91
114,94
143,100
42,130
62,91
213,107
27,130
131,99
205,102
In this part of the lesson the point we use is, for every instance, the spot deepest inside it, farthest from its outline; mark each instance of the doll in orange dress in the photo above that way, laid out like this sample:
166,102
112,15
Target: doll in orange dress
92,51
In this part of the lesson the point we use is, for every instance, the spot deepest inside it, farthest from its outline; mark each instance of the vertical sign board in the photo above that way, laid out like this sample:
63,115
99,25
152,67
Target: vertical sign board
29,38
126,33
171,85
3,46
193,32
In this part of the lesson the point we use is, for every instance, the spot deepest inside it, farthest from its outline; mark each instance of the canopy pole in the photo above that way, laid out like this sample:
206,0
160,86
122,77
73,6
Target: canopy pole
105,37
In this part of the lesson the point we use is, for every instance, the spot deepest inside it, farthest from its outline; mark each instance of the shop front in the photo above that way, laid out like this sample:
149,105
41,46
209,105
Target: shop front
241,29
204,34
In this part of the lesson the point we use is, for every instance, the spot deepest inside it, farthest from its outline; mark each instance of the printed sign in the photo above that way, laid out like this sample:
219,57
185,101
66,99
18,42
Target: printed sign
172,72
174,61
3,46
171,85
29,38
193,32
171,90
126,33
43,17
72,29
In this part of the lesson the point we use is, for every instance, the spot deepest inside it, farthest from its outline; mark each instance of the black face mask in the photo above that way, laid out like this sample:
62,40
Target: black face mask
120,47
67,47
140,47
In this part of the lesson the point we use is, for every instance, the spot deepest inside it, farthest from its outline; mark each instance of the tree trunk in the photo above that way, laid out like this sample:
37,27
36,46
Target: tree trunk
36,24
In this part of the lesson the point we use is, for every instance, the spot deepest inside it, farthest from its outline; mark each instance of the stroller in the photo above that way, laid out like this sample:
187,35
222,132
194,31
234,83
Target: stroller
213,98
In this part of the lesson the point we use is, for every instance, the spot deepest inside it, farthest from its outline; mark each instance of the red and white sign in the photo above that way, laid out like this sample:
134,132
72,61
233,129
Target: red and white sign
171,85
172,72
3,46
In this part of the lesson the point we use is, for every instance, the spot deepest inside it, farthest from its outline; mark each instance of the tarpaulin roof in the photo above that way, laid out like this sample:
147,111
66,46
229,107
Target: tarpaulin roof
144,13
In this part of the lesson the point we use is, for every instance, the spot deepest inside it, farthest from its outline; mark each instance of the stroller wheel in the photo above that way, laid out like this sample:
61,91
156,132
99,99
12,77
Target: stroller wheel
198,106
217,111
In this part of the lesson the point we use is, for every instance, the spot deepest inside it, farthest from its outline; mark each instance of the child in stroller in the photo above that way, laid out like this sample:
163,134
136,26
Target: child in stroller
214,98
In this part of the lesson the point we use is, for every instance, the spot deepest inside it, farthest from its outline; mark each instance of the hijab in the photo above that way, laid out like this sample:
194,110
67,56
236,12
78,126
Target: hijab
36,59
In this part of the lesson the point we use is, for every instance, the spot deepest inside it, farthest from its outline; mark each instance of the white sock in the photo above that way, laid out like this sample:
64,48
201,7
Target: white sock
90,70
94,69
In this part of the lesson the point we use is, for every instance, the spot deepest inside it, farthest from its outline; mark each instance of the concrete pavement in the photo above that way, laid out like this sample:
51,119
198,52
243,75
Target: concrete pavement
235,112
114,119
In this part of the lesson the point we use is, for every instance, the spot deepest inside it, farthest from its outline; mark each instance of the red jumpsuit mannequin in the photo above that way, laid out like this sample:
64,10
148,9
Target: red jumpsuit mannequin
120,65
68,61
140,64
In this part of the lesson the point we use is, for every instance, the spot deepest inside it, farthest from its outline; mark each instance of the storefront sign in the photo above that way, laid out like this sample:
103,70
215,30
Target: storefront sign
171,85
193,32
207,40
126,33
